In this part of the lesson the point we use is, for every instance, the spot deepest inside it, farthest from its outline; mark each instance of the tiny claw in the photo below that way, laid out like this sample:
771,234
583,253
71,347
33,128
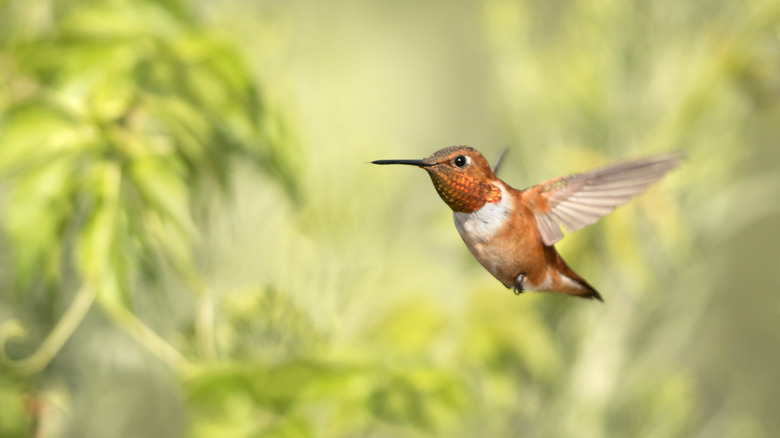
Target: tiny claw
518,289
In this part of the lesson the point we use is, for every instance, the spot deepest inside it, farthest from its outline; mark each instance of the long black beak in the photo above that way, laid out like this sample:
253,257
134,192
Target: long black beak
418,163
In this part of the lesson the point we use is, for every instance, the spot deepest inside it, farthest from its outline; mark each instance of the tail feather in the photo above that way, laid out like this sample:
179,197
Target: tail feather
589,292
578,286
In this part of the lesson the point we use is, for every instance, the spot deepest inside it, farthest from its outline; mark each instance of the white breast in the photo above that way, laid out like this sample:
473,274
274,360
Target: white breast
481,225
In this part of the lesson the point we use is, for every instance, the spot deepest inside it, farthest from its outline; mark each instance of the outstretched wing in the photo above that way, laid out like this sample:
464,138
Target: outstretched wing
578,200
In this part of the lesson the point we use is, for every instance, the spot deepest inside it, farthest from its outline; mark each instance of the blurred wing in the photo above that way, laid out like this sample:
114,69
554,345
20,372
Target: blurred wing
578,200
499,160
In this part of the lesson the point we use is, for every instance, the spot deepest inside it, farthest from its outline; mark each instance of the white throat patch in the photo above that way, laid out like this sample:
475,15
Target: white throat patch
484,223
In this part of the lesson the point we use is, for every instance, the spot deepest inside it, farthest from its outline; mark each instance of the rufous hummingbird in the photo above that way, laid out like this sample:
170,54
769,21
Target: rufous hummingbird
511,232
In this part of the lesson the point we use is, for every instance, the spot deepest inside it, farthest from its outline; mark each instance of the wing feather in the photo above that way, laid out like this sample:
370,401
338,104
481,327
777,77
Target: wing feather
578,200
548,227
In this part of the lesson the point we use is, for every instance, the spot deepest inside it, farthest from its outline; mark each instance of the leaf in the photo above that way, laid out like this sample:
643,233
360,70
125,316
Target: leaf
32,134
97,243
35,215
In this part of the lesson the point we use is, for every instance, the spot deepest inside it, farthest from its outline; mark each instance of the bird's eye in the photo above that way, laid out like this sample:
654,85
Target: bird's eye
460,161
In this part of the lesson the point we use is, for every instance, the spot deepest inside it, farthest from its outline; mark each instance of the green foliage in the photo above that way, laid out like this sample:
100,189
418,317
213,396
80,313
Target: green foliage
284,380
115,113
119,107
315,397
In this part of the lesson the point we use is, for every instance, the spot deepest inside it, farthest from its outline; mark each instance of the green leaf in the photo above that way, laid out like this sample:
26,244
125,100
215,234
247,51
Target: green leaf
35,215
97,243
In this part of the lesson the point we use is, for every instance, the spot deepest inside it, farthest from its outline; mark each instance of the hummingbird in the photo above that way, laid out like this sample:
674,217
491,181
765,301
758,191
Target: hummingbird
512,232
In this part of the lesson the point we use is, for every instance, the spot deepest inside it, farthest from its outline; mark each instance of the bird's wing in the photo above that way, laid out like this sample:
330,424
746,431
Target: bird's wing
499,160
578,200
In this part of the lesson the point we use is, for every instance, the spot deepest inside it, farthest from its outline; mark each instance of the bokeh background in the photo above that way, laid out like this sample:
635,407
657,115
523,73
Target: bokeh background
194,245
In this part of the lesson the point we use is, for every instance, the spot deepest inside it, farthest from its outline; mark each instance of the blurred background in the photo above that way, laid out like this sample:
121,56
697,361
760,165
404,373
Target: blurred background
194,245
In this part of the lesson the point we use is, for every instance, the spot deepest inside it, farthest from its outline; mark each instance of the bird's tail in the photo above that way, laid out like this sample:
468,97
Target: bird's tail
578,286
586,290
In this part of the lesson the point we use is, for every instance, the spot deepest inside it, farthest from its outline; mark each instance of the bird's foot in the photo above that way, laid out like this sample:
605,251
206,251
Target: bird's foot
518,289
